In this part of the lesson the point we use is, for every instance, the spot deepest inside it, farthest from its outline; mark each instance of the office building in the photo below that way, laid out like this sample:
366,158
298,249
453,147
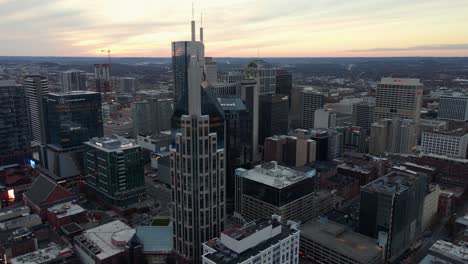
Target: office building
183,52
304,103
151,116
71,119
198,178
263,73
394,136
400,98
291,151
114,170
273,119
261,241
108,243
453,108
211,70
324,241
15,136
36,89
225,89
284,83
238,141
324,118
446,143
391,211
102,77
443,252
232,77
73,80
321,138
271,189
127,85
335,144
363,114
354,138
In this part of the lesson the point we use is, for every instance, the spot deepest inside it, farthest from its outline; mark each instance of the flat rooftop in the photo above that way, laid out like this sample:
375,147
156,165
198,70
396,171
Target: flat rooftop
393,183
8,83
341,239
240,233
456,132
401,81
107,240
45,255
458,253
111,143
274,175
224,255
66,209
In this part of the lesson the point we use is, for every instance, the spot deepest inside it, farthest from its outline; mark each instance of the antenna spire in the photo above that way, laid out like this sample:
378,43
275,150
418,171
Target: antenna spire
201,27
193,23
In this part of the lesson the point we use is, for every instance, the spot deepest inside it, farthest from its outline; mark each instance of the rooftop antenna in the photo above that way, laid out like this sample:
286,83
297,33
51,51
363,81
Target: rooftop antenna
193,23
201,27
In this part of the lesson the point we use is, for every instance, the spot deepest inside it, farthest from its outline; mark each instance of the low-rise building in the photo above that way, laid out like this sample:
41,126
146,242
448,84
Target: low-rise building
108,243
52,254
157,242
21,241
328,242
264,241
443,252
65,213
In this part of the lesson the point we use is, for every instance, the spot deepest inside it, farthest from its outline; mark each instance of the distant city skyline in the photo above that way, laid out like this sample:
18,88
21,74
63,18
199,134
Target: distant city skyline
268,28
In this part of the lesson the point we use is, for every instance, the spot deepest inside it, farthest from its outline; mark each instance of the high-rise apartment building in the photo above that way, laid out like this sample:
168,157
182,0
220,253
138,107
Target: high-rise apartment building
150,116
304,103
271,189
399,98
15,136
36,89
73,80
453,108
391,211
263,73
292,151
127,85
394,136
197,162
324,118
446,143
273,116
114,170
266,241
363,114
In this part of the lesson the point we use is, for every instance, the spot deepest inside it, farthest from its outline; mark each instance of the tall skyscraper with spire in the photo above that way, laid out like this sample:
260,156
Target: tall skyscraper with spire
197,158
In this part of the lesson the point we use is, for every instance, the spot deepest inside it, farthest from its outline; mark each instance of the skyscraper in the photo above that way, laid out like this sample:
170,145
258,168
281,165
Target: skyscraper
36,89
399,98
324,118
114,169
238,141
284,83
73,80
392,135
304,102
211,70
71,119
15,136
150,116
197,162
273,116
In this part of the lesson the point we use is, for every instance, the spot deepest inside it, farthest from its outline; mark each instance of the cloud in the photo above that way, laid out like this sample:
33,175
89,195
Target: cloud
418,48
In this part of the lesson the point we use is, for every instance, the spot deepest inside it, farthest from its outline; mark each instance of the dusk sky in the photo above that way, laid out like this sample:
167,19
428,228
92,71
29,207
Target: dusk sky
278,28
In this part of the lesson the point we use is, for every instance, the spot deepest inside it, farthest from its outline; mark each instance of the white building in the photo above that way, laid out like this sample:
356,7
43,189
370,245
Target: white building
447,143
261,241
198,177
324,119
443,252
431,205
73,80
